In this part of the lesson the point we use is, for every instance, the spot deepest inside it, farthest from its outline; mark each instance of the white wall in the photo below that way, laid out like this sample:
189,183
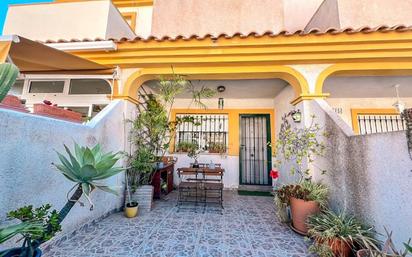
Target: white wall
212,103
67,20
143,19
369,175
28,144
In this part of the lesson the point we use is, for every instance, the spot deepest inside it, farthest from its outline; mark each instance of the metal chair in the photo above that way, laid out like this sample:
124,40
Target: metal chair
213,185
188,186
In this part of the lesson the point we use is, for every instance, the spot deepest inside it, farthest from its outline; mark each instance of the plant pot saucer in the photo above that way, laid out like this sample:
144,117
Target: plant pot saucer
296,230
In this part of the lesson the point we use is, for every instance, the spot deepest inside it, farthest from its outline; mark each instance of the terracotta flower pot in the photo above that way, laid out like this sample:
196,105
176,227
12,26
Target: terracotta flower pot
13,103
300,211
340,248
56,112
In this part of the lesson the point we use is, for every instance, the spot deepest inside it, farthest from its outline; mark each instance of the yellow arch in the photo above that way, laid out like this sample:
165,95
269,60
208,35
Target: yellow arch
364,69
293,77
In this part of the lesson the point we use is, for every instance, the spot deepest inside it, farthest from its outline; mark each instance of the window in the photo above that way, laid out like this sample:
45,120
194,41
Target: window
46,87
130,18
17,88
96,108
380,123
209,131
89,86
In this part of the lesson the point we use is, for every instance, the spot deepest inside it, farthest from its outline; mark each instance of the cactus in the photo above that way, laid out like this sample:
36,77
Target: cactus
8,75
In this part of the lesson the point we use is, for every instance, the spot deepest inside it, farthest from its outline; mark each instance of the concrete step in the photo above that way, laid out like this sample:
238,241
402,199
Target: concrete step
256,188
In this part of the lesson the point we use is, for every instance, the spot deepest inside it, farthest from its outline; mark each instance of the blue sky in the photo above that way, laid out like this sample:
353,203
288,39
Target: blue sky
4,5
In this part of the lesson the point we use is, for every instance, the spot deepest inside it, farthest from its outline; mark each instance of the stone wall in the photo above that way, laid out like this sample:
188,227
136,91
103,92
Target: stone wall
27,146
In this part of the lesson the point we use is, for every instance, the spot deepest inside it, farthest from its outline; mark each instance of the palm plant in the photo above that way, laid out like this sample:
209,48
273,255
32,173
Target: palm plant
86,167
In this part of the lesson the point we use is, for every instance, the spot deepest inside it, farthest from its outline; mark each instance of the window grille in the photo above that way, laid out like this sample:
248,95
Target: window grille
206,130
380,123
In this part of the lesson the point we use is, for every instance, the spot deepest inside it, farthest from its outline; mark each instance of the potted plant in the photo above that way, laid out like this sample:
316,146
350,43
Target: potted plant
388,250
183,147
300,146
193,152
153,131
140,174
217,147
38,226
339,234
131,207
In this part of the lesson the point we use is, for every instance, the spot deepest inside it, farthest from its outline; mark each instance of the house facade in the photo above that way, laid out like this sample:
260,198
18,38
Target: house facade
270,58
339,60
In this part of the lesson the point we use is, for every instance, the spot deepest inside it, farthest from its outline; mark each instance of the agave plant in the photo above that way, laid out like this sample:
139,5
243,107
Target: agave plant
86,167
8,75
22,228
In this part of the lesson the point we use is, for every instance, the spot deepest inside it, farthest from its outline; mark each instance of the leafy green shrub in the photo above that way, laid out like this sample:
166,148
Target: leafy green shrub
43,224
328,226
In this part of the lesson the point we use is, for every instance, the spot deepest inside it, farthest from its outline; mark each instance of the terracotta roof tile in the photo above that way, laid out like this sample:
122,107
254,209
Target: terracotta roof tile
314,31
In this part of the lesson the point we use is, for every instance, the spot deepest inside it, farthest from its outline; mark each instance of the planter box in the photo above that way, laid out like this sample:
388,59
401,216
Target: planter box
56,112
13,103
144,197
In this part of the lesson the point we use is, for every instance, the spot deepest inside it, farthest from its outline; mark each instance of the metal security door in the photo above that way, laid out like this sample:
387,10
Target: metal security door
255,154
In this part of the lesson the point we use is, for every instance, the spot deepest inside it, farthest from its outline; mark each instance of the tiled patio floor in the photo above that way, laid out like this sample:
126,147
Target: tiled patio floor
248,227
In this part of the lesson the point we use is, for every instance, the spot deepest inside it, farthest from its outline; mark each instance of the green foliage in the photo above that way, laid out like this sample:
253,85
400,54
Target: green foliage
299,145
305,190
328,226
193,151
87,166
389,249
142,167
22,228
183,146
153,130
8,76
216,147
38,225
43,215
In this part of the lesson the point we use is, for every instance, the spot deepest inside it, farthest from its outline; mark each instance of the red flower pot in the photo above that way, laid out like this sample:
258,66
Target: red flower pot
13,103
56,112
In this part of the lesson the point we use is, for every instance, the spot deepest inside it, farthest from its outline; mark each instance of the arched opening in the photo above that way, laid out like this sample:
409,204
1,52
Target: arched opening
241,119
368,103
293,77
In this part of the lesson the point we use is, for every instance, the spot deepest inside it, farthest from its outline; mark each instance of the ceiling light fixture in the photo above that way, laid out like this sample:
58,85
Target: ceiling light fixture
399,105
221,89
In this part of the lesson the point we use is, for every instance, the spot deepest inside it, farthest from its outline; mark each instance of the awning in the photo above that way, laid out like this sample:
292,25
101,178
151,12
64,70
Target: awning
31,56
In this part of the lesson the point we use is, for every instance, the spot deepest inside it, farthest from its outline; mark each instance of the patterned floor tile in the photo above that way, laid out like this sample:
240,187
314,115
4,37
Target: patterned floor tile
246,227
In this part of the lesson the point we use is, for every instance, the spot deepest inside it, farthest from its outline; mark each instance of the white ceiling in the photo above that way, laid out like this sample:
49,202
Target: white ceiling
368,86
256,88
